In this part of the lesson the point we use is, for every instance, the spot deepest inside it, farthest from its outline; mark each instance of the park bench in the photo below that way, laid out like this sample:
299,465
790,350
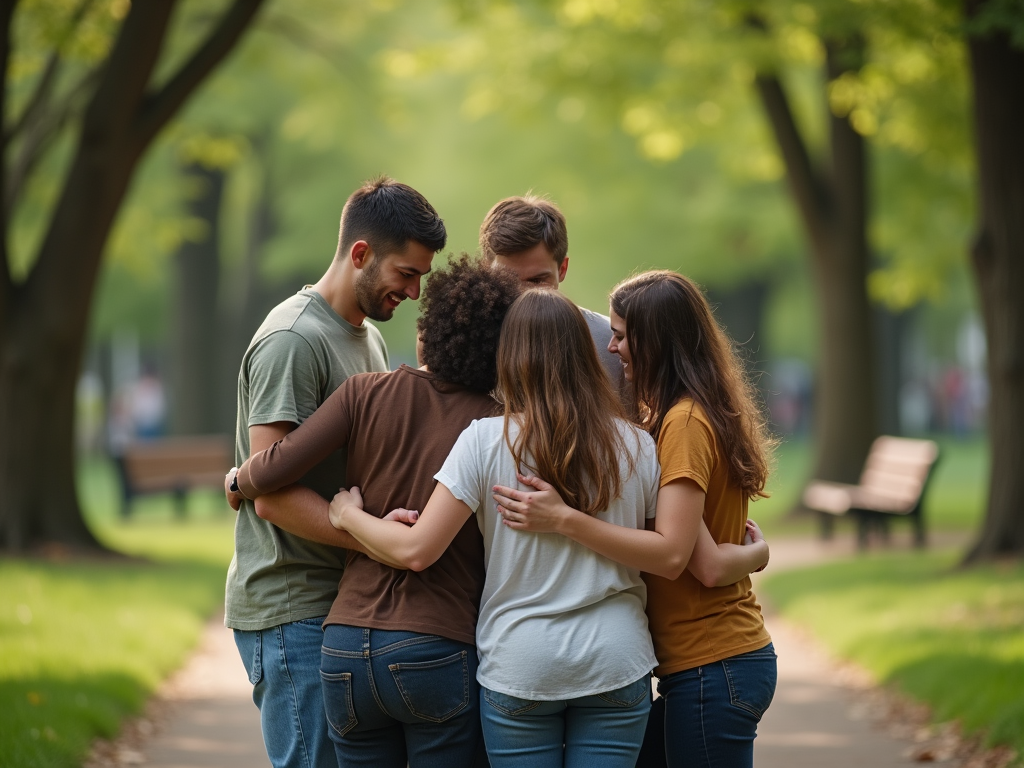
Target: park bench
892,485
173,465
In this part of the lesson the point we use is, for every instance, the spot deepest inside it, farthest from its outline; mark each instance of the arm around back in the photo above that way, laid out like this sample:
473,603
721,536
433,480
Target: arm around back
417,547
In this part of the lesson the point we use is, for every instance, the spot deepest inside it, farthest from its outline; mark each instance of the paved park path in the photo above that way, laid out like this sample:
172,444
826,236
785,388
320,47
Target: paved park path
824,713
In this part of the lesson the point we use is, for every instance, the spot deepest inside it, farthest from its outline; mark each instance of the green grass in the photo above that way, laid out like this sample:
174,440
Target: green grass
952,639
83,644
955,499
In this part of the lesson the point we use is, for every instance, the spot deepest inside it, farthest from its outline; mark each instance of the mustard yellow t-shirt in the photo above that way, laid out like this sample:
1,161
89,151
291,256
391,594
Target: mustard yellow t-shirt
692,624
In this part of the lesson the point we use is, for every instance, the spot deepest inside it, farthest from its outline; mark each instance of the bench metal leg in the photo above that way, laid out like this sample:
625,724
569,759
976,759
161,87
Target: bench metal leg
828,523
863,532
180,503
920,538
883,529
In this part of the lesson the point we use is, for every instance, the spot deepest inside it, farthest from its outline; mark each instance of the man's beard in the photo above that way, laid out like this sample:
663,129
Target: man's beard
368,293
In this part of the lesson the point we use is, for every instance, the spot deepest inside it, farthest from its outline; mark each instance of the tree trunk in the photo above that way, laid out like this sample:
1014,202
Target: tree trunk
740,311
198,331
833,209
43,337
43,320
997,70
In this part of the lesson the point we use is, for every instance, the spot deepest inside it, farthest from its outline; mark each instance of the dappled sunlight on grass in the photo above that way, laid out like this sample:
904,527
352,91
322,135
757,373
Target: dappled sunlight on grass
84,643
951,638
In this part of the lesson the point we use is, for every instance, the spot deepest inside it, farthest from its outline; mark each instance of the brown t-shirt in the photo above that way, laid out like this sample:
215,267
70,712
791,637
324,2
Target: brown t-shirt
692,624
399,428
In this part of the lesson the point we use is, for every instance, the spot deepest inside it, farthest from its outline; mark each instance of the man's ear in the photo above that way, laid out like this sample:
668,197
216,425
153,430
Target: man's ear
563,268
360,253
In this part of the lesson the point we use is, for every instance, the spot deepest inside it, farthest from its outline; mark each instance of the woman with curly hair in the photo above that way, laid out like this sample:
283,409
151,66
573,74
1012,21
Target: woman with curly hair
398,661
716,664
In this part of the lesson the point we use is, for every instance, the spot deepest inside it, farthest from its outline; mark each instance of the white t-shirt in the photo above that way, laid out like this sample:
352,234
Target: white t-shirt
557,620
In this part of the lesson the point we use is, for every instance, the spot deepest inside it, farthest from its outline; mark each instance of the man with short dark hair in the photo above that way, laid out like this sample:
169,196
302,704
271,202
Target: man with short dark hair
528,235
287,564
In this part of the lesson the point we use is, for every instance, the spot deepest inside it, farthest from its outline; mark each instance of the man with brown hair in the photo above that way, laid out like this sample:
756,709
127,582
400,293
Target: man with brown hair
528,235
288,557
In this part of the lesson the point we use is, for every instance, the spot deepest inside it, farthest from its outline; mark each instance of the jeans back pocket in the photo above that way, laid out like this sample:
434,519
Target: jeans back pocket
752,678
509,705
434,690
341,713
630,694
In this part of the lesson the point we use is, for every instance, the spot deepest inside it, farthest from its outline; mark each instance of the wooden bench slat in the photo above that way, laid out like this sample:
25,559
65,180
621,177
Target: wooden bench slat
174,464
892,482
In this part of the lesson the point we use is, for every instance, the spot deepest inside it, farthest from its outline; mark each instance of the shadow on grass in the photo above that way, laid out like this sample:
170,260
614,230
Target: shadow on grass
993,701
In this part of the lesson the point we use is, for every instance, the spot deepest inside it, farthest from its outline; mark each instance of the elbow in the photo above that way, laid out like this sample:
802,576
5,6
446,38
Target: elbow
264,511
706,573
415,559
672,568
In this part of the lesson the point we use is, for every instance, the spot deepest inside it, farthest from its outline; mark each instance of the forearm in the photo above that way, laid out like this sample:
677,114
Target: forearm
718,565
387,541
304,512
648,551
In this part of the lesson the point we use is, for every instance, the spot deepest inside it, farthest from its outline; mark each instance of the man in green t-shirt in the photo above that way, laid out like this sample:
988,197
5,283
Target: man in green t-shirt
288,558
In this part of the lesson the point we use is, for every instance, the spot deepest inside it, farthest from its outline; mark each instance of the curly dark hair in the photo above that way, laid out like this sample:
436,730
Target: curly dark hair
462,309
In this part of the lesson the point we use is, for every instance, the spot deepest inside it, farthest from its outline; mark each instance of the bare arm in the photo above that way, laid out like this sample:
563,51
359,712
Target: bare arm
718,565
663,551
415,547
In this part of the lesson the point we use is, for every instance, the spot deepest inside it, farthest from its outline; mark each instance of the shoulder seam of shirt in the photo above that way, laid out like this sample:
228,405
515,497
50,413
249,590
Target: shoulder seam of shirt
291,331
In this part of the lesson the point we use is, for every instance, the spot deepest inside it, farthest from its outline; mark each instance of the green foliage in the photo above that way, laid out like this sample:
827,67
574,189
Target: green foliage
949,638
678,75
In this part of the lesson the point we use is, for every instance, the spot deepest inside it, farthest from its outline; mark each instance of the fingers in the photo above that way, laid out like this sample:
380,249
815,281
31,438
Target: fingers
534,482
407,516
508,501
510,516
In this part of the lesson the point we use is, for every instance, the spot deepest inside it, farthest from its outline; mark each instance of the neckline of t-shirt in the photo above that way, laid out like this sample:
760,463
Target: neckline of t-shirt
355,330
448,387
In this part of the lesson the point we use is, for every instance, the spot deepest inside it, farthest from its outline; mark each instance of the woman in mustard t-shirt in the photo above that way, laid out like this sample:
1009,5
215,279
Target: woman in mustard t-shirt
716,664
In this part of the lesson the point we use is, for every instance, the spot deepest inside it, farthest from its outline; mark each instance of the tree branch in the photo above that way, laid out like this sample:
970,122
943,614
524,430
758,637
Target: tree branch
34,108
158,108
305,39
6,285
43,131
808,187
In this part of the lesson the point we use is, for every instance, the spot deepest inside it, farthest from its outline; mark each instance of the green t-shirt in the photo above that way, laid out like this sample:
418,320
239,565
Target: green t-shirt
303,351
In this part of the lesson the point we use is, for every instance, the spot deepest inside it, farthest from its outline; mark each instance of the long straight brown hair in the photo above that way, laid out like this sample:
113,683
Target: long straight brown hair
552,384
678,350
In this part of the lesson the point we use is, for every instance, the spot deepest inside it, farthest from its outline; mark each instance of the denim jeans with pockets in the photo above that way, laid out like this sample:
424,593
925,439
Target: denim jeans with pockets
707,716
604,729
283,664
394,698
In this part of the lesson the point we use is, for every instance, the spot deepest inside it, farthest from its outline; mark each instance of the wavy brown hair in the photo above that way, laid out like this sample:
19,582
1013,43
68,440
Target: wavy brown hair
679,350
551,383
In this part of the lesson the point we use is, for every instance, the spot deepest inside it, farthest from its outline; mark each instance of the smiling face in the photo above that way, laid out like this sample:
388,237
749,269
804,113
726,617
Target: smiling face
618,345
386,281
535,266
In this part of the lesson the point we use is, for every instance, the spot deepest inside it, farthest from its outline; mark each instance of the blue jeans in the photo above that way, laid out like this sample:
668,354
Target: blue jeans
605,729
283,664
707,716
394,698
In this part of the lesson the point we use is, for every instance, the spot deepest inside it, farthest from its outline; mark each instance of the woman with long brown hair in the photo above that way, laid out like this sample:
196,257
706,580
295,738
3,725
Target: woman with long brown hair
717,667
565,654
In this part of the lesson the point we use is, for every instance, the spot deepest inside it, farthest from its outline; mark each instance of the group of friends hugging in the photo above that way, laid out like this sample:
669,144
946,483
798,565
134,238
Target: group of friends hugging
549,509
